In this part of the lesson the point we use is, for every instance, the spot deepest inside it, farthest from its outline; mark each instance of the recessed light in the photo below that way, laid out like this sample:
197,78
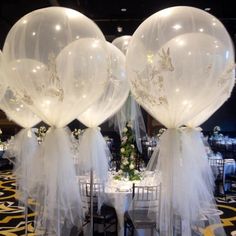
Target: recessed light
123,9
119,29
207,9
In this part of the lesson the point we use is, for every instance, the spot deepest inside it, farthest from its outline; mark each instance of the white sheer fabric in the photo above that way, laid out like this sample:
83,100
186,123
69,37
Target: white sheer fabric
130,111
179,62
93,154
24,146
57,193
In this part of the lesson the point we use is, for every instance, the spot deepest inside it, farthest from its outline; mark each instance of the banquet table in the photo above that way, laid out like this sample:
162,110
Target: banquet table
118,194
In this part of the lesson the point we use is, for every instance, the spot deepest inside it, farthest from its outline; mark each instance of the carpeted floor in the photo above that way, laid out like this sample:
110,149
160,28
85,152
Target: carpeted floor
12,216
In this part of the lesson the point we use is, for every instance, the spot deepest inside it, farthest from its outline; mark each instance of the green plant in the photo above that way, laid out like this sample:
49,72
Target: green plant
128,153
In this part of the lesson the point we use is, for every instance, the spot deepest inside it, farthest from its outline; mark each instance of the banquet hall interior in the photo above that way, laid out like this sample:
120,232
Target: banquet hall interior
104,163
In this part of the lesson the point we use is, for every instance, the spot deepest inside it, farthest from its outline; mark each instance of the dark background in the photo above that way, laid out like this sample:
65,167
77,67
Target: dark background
128,15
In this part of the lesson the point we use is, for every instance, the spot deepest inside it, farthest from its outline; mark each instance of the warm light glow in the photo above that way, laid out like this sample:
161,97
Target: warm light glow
189,53
150,58
33,33
177,90
165,12
177,27
201,29
24,21
57,27
71,13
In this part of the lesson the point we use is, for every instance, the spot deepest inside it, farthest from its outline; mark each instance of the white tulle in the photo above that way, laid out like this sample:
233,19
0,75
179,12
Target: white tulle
24,147
57,194
186,183
130,112
93,154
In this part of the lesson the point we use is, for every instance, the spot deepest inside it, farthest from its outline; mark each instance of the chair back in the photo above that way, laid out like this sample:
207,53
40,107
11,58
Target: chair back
146,199
86,195
217,166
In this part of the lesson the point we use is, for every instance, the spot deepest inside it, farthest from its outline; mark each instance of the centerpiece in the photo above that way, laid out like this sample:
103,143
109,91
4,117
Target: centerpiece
128,153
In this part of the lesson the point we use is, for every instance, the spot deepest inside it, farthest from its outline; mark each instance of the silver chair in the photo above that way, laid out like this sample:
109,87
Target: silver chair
105,216
139,216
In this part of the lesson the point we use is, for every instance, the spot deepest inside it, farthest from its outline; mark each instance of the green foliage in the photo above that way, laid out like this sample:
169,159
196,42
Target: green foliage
128,153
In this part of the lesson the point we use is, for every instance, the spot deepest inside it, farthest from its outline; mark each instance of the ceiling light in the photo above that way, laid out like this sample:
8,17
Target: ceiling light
207,9
119,29
123,9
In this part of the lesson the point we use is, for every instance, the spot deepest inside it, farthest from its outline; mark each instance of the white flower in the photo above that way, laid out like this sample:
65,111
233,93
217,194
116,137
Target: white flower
0,131
125,130
120,172
132,145
125,162
132,157
124,139
122,150
129,124
131,166
136,172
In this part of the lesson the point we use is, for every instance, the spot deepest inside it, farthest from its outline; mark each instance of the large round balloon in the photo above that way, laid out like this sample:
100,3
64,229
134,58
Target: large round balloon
56,61
122,42
115,94
3,85
179,61
18,111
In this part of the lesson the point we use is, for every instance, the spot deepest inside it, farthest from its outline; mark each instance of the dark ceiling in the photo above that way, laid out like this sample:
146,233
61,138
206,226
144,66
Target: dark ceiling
110,14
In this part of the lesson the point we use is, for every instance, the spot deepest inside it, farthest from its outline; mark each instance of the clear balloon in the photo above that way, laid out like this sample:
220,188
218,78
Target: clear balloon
18,111
122,42
56,62
115,94
180,64
177,66
110,102
3,80
41,49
